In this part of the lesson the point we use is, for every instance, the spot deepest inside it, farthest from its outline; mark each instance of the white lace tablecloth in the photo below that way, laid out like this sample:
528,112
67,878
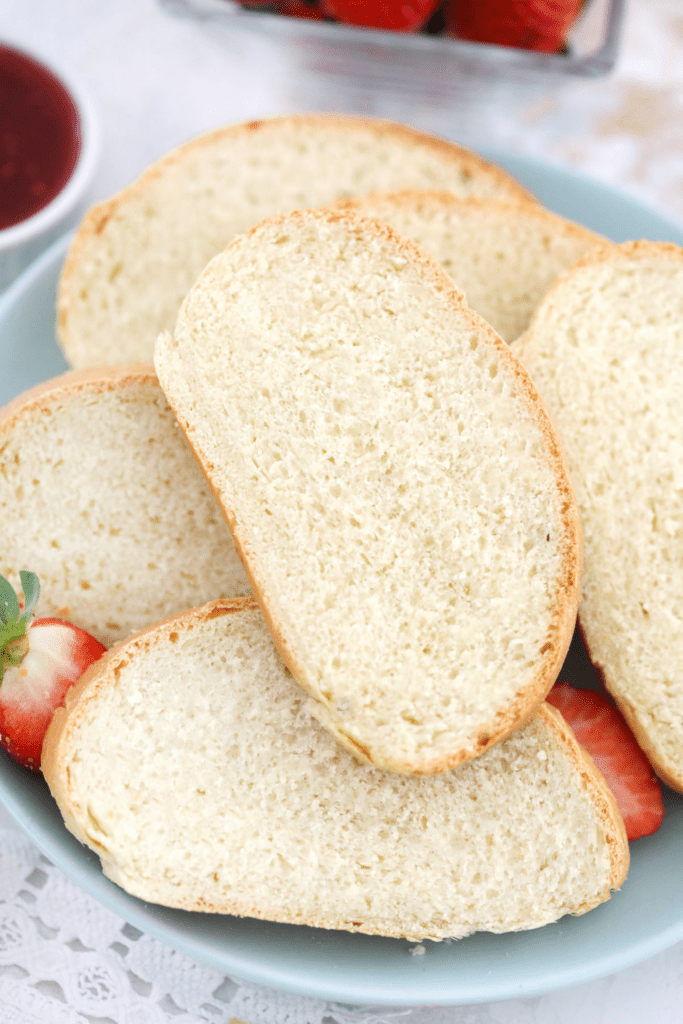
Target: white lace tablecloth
157,81
64,959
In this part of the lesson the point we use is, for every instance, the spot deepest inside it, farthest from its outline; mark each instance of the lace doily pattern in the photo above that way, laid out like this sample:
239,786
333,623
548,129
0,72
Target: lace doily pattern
64,959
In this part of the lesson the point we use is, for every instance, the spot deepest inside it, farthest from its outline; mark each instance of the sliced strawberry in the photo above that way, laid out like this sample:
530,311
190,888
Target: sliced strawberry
39,662
527,24
404,16
601,728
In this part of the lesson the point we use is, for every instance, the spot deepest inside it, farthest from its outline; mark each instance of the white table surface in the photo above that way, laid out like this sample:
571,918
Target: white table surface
158,80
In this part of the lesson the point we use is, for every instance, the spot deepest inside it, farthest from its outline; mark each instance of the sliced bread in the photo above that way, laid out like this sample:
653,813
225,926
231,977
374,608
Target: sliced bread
102,498
135,257
606,351
187,760
392,480
503,255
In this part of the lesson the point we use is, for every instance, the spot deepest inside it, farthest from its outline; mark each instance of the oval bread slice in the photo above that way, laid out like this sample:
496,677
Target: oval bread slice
135,257
606,351
504,255
392,481
102,498
187,760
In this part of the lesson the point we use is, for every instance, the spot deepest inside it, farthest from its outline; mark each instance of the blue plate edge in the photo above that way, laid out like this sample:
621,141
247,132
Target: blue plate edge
272,977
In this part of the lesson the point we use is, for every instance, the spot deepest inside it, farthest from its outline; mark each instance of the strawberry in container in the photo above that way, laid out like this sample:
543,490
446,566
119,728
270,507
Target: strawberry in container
540,25
407,16
40,659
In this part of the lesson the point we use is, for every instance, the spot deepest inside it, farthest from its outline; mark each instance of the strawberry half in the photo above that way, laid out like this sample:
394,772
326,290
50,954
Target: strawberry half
601,728
39,662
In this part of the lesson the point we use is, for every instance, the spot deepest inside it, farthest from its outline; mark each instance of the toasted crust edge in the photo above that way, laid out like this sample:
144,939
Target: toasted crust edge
608,252
100,675
95,380
103,673
612,253
474,206
97,217
674,780
561,626
609,813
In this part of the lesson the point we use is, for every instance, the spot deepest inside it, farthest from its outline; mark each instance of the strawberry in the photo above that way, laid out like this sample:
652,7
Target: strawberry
301,9
527,24
405,16
39,662
600,727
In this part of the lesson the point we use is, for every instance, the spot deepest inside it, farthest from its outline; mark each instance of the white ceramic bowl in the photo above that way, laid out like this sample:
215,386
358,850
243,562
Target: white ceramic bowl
21,243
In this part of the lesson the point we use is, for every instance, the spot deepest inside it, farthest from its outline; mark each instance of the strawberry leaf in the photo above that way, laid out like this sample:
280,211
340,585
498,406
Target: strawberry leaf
14,622
9,604
13,645
30,585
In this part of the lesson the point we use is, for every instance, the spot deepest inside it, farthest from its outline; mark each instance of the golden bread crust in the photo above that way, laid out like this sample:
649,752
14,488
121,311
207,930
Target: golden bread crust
103,674
95,380
561,628
465,162
603,255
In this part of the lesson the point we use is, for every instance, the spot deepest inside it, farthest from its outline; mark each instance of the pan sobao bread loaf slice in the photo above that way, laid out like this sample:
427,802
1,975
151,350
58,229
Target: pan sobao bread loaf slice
503,255
606,351
135,257
392,481
102,498
187,760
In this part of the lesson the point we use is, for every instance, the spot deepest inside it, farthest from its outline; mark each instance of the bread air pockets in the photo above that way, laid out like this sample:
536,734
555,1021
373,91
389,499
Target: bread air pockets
136,255
186,758
605,349
392,481
102,498
504,255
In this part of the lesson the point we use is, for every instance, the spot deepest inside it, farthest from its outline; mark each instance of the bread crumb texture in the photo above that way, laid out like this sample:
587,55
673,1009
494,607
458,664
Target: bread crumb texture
135,257
102,498
503,255
606,351
388,485
192,766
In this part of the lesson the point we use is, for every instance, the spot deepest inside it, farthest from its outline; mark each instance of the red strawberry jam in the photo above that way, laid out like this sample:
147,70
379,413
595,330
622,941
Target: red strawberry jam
39,136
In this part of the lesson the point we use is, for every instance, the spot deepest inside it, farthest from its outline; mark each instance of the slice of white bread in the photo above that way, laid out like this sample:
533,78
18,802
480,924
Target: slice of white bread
391,478
136,256
186,758
102,498
606,351
503,255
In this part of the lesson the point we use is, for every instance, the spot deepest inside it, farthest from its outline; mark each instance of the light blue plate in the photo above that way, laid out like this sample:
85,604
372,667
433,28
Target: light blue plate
646,916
